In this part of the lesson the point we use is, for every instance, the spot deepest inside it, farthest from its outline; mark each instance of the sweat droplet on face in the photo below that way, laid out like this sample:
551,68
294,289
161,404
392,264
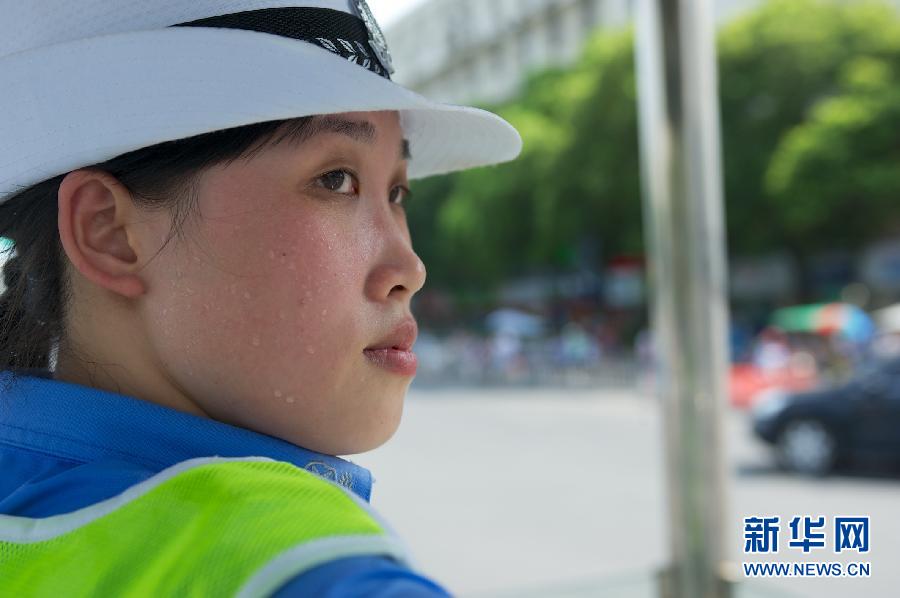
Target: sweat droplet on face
278,394
290,399
255,341
311,350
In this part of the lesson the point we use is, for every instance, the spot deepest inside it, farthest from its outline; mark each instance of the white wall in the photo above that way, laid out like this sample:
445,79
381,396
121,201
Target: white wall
481,50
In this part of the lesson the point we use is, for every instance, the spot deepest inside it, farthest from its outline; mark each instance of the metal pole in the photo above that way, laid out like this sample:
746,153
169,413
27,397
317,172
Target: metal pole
681,169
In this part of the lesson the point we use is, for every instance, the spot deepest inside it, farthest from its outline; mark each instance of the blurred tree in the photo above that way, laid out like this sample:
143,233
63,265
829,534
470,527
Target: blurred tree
478,227
534,213
810,138
836,177
595,189
485,226
781,68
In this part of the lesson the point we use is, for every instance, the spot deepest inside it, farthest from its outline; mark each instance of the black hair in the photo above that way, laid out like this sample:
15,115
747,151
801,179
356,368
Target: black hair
34,304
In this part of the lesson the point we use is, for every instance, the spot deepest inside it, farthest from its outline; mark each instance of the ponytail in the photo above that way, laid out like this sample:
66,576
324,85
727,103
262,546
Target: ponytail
31,304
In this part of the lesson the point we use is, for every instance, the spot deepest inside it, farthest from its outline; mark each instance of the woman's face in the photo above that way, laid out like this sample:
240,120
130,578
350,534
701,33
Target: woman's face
298,263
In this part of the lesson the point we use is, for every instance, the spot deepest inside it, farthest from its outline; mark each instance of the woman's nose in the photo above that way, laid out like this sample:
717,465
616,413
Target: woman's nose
398,272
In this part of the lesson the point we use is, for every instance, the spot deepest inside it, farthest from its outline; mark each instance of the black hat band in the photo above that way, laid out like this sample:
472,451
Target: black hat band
336,31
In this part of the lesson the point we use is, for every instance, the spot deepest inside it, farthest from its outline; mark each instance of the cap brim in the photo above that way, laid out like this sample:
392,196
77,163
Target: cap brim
71,105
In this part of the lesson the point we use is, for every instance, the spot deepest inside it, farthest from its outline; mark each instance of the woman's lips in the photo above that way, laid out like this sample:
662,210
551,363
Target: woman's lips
397,361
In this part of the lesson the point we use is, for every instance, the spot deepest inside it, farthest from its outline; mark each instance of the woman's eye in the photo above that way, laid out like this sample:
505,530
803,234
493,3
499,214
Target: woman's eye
400,195
338,181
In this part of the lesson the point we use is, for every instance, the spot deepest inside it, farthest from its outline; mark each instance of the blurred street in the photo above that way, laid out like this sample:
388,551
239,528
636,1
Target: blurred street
541,492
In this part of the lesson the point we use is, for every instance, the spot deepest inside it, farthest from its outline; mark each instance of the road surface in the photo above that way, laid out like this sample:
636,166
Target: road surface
561,493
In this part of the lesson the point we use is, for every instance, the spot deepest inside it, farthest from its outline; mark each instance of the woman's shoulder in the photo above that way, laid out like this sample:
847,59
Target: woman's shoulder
365,566
37,486
372,576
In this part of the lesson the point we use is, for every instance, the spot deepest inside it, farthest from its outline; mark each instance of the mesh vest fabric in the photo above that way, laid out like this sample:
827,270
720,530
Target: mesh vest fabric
207,527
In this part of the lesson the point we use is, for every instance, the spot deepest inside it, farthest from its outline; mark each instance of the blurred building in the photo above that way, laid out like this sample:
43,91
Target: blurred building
463,51
481,50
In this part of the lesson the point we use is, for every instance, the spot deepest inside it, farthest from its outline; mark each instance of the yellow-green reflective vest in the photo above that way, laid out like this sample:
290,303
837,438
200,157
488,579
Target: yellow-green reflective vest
204,527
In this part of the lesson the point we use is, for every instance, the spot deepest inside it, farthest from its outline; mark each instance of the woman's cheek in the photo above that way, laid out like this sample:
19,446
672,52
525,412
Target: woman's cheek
296,296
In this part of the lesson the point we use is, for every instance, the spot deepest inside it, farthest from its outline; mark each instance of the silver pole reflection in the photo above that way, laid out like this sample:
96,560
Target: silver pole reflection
684,228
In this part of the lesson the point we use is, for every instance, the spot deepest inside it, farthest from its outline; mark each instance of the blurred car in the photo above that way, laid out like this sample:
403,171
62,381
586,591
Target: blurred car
748,384
813,431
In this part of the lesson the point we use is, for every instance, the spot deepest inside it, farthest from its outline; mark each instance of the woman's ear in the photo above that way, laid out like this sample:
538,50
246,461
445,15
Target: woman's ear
96,226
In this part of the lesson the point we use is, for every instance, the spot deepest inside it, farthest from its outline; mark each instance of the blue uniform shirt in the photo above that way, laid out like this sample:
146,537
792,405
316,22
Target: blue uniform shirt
65,446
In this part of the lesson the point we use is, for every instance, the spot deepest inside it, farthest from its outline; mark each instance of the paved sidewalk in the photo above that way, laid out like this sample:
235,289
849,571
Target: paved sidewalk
561,493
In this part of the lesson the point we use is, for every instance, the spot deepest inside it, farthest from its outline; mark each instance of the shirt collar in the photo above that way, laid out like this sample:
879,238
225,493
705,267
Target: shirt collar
85,424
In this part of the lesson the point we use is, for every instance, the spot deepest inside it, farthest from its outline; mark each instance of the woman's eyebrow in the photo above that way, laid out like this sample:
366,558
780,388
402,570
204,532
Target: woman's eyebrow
362,131
405,153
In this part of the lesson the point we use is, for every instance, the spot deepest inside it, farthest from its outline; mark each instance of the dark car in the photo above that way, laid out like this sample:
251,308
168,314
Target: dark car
859,420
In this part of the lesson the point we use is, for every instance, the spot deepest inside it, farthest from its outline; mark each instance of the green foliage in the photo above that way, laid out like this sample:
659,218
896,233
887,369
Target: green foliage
597,193
835,177
810,107
776,66
532,213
